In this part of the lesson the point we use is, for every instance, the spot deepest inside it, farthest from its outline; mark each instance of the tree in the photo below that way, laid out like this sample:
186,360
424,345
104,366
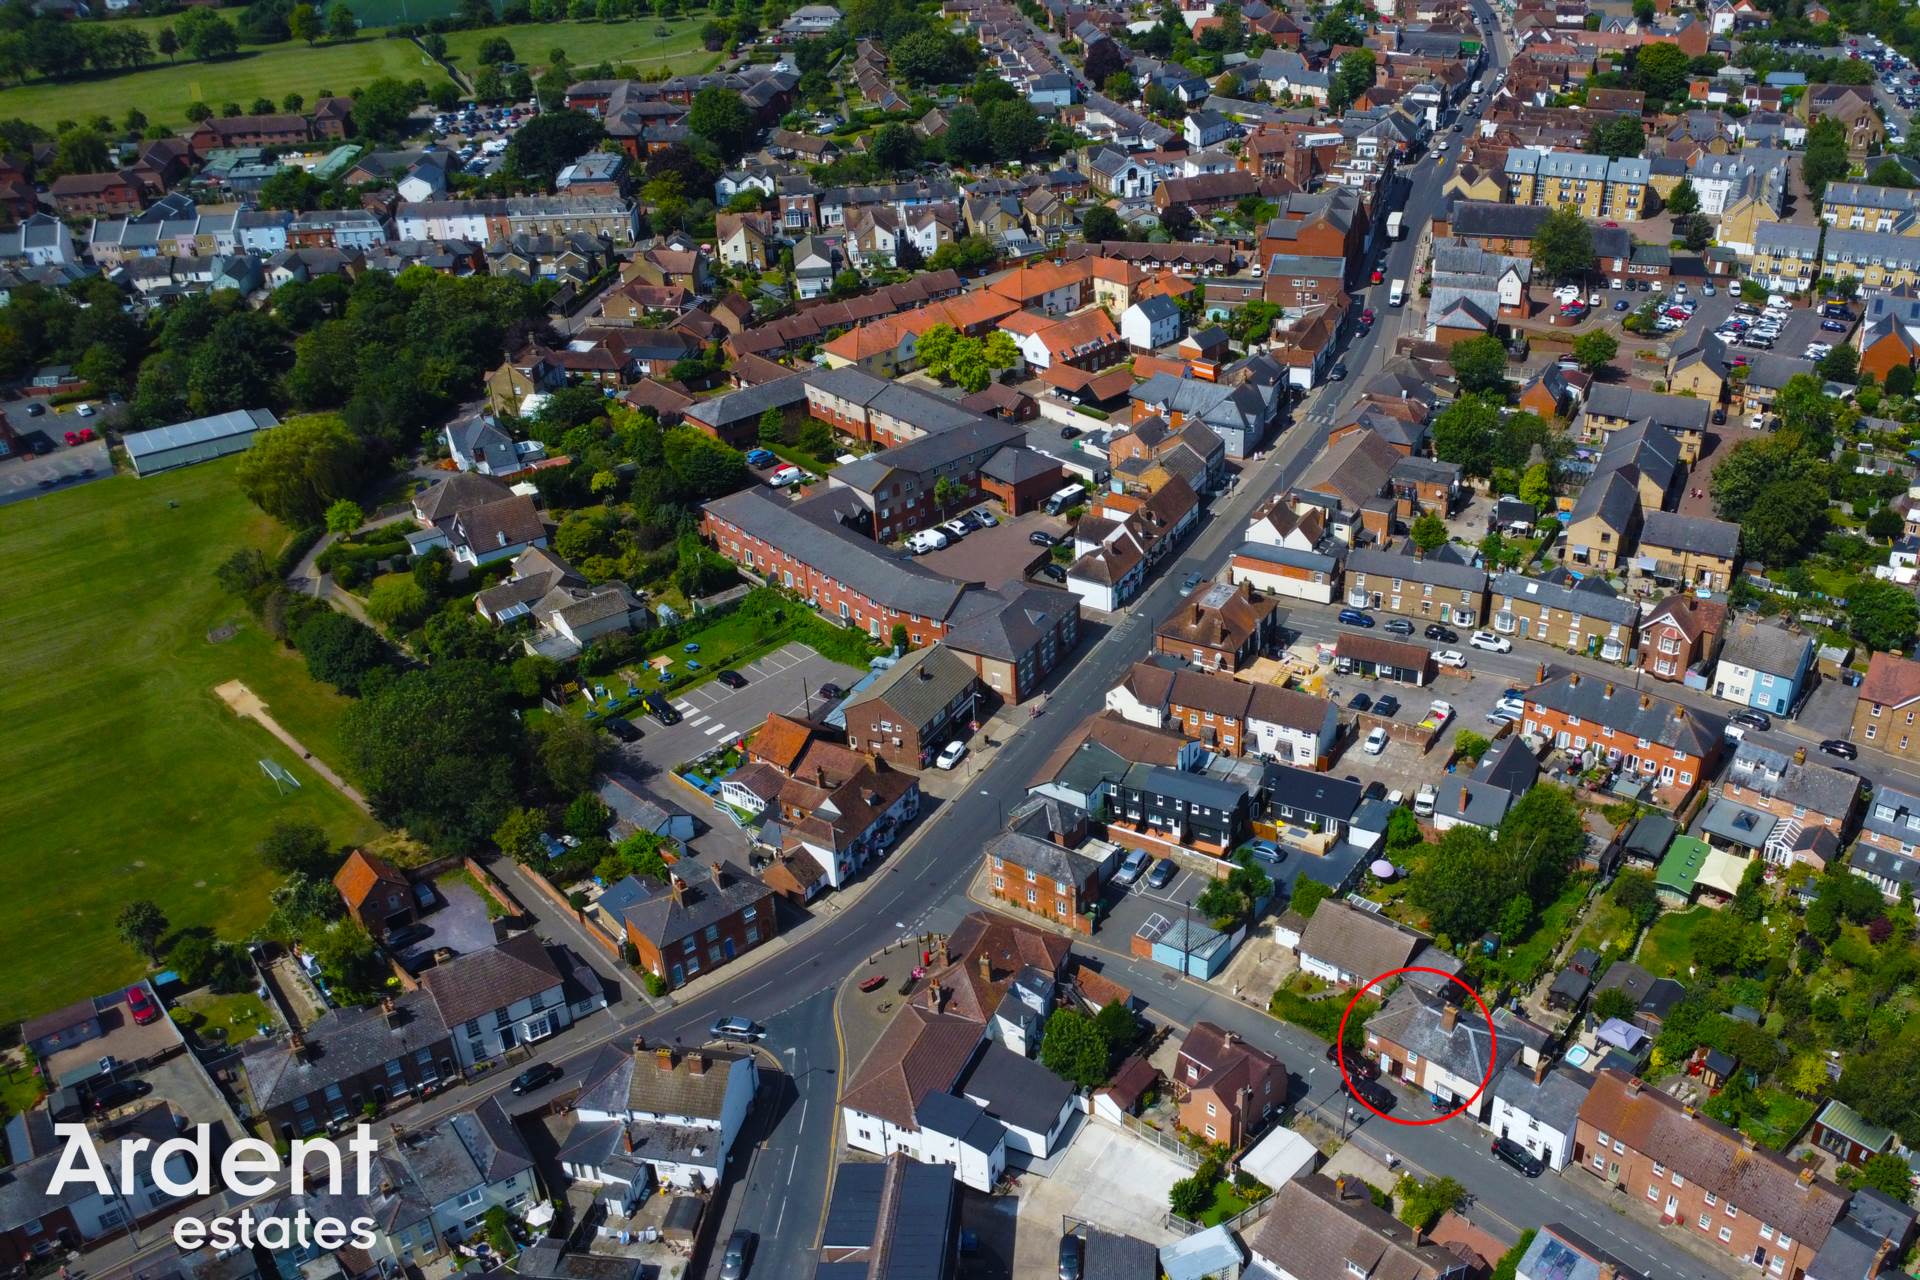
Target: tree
1563,246
1072,1048
1480,364
341,24
1422,1203
1100,223
1882,615
1885,524
1000,350
935,348
1614,1003
895,147
1696,231
722,119
437,749
141,925
1888,1174
167,43
381,109
568,754
1536,486
1429,531
1660,69
1825,159
1189,1197
495,50
1596,350
292,847
932,56
1468,878
398,603
1353,75
1015,129
1684,199
947,491
1890,173
339,650
1230,901
1634,893
1307,895
344,516
1786,518
1756,464
1618,136
297,471
205,35
304,23
518,835
80,150
1464,431
1842,364
550,142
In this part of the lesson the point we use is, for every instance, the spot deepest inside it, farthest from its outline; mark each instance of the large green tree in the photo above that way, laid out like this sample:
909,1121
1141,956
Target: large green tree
141,925
1480,364
1882,615
1073,1048
549,142
1660,69
294,472
720,117
1352,76
1563,246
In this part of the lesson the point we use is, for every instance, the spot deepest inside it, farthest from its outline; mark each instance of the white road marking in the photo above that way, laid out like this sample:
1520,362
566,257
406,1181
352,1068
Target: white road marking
697,719
717,727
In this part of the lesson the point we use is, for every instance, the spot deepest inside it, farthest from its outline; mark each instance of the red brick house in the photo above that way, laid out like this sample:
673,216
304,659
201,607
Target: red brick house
1035,866
1220,626
377,895
1021,479
93,195
704,917
1226,1087
1681,632
1703,1178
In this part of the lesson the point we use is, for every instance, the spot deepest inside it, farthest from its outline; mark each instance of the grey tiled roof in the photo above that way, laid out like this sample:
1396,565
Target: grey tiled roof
1438,570
342,1044
712,894
921,685
1763,646
1598,601
1691,533
482,981
1635,714
1611,400
1008,623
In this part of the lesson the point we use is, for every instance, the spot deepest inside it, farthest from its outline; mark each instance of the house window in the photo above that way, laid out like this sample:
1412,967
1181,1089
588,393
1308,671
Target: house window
1210,1132
1712,1199
1726,1234
1210,1109
1659,1170
468,1199
1653,1191
1706,1222
1731,1211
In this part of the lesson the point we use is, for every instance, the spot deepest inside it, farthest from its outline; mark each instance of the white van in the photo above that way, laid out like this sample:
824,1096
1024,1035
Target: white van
926,540
1070,496
785,476
1396,293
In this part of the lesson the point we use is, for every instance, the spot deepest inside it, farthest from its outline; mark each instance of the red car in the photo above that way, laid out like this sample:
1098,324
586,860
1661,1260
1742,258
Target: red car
1376,277
141,1006
86,434
1366,317
73,437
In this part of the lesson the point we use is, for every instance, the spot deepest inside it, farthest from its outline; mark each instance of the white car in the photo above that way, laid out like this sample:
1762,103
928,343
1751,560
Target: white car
1423,800
926,540
1450,658
1376,741
1490,642
85,410
951,755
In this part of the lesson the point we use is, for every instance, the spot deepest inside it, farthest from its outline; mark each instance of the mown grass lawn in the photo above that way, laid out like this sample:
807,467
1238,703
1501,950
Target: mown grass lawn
163,92
225,1019
1667,950
636,42
126,776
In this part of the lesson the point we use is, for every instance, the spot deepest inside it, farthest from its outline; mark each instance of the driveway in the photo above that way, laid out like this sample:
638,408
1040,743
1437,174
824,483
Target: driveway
787,680
1108,1177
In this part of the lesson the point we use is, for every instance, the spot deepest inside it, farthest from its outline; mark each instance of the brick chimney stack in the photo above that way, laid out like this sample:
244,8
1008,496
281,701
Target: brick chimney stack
696,1063
986,967
663,1055
1449,1016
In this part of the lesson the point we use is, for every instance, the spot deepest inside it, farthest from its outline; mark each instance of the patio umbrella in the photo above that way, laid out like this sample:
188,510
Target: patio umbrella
1382,868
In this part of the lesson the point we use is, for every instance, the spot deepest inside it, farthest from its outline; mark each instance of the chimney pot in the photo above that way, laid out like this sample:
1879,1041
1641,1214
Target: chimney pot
1646,701
986,967
1634,1086
1806,1177
696,1063
1609,690
1573,681
1449,1017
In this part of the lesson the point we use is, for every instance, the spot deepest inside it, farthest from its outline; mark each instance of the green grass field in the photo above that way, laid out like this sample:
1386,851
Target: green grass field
126,776
633,42
165,91
1667,950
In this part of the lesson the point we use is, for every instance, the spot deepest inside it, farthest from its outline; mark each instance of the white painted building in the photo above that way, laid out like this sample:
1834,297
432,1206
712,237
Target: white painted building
1151,323
676,1114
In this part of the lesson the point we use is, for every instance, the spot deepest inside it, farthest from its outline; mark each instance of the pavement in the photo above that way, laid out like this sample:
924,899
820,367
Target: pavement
66,466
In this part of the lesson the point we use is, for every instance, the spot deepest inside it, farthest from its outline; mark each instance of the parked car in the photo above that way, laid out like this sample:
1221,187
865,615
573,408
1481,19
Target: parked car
832,692
662,710
537,1076
1399,626
732,679
1360,702
1070,1257
109,1094
985,517
759,457
734,1027
1041,538
622,728
1445,635
1356,617
1490,642
950,755
1423,800
1450,658
84,410
142,1006
35,409
1337,374
1356,1064
1512,1153
1840,747
956,529
1163,873
1267,851
1057,573
1130,870
733,1263
1376,741
1752,719
1833,326
1386,706
1373,1093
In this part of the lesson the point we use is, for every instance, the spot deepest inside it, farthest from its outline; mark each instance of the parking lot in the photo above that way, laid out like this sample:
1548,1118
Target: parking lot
787,680
65,466
998,555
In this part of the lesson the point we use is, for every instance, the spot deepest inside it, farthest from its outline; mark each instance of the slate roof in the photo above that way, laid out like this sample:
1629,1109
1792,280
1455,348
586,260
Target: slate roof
1323,1230
1015,1090
840,554
637,1083
1440,570
1556,1251
1468,1049
1612,400
712,894
342,1043
1764,646
1596,601
900,1211
1635,714
1485,218
1008,623
1356,941
1700,534
1043,857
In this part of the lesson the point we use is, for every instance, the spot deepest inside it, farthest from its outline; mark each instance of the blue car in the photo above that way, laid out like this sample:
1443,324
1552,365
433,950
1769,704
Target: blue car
759,457
1356,617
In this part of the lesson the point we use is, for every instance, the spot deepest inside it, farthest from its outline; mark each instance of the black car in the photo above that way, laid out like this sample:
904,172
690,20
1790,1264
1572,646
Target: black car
1386,706
1053,572
623,729
662,710
1360,702
732,679
1840,747
1163,873
1511,1152
1357,1067
117,1093
1399,626
1445,635
1338,373
733,1263
1373,1093
1041,538
832,692
1070,1257
1719,417
1752,719
537,1076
